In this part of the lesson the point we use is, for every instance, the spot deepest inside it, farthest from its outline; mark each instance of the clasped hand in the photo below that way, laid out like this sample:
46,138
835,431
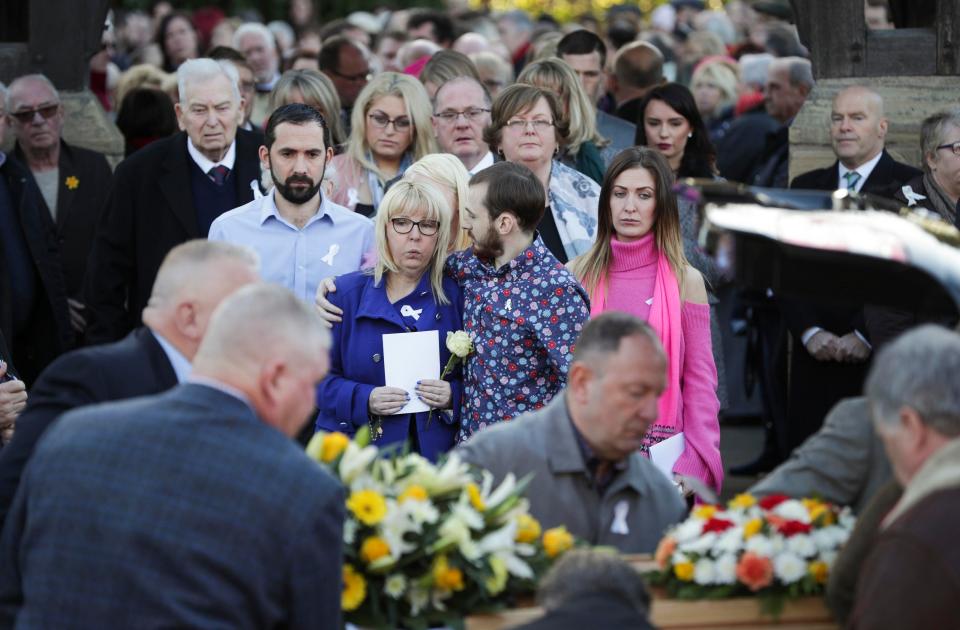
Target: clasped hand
826,346
386,401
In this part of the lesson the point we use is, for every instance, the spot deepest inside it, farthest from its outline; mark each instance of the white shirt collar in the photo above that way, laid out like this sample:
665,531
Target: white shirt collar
181,366
268,208
864,170
205,164
482,164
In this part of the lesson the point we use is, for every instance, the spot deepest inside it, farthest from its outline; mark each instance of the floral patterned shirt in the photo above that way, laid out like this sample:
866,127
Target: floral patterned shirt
524,319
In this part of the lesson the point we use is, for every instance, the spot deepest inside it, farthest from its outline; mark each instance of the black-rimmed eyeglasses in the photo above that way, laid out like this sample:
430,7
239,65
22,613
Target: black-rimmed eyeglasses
427,227
953,146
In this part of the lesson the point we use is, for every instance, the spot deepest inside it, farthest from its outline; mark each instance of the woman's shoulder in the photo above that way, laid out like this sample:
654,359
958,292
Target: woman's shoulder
694,289
351,283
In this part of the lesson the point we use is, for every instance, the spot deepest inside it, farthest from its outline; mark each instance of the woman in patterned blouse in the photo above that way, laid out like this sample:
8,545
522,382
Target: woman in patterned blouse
527,127
637,265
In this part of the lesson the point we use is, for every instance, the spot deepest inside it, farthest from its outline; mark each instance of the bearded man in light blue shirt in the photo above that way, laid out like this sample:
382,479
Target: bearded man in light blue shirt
301,236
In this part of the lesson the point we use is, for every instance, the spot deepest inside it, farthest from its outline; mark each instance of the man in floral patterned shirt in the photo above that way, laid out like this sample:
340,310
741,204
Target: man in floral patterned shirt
522,307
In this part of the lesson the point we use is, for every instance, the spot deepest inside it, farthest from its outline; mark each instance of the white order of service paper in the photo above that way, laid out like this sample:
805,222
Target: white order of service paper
408,358
665,454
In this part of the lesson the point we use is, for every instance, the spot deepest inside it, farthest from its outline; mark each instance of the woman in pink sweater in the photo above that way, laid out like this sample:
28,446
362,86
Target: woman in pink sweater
637,266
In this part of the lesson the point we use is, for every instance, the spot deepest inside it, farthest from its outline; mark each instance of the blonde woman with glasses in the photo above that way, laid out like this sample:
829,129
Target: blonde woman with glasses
389,130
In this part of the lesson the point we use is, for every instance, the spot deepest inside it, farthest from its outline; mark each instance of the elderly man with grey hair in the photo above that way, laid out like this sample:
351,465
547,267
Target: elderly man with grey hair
193,279
789,82
170,192
911,579
192,508
73,182
257,43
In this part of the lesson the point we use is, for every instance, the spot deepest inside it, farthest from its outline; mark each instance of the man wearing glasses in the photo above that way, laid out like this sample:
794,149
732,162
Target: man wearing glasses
461,110
74,182
347,65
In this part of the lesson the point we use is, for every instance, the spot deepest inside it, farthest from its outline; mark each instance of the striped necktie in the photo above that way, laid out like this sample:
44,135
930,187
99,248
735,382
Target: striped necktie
852,178
219,174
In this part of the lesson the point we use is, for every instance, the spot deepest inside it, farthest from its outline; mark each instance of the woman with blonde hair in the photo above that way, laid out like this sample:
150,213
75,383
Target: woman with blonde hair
314,89
449,177
714,86
389,130
637,266
583,145
406,290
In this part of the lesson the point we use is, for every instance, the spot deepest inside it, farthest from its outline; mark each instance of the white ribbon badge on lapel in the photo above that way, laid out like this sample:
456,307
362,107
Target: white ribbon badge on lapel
620,511
408,311
333,251
912,197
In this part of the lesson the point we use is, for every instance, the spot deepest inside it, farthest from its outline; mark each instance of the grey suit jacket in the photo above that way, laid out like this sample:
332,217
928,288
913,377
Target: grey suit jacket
618,131
844,462
562,493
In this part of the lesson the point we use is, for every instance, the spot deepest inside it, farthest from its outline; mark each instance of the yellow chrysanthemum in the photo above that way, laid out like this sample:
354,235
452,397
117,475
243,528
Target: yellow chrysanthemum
414,493
743,501
445,577
683,571
705,512
557,540
333,445
528,529
821,512
473,491
752,527
374,548
368,506
354,589
820,571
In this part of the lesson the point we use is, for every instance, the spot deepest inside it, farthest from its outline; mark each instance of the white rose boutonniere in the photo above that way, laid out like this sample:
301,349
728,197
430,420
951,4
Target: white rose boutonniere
460,345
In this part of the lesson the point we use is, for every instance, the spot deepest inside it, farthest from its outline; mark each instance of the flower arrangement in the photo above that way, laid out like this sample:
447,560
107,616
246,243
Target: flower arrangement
774,547
428,544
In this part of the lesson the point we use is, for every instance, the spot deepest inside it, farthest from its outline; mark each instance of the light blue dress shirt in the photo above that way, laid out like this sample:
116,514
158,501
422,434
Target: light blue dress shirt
181,365
334,241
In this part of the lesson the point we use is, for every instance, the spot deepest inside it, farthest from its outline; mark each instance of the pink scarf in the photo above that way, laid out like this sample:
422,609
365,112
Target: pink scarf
665,320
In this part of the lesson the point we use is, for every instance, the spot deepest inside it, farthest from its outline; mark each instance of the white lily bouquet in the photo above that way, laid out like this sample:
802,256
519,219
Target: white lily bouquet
427,544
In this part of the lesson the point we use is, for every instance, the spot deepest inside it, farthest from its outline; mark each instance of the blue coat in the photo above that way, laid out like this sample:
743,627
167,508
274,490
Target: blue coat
356,360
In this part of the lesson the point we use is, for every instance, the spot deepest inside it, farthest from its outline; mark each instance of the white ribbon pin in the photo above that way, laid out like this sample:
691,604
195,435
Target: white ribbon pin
256,189
508,305
912,197
620,511
333,251
408,311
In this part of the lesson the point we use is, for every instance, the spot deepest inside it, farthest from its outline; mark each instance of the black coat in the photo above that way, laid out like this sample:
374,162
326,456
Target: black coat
134,366
49,333
85,179
150,211
885,179
740,152
816,386
591,610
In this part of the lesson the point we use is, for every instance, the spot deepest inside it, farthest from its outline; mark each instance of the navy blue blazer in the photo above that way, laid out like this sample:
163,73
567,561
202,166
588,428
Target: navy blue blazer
180,510
134,366
356,359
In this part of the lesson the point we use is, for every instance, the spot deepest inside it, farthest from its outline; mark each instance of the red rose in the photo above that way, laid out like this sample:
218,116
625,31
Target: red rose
792,528
772,501
717,525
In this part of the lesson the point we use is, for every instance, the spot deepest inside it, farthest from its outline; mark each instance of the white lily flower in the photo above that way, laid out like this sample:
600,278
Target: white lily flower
355,460
418,598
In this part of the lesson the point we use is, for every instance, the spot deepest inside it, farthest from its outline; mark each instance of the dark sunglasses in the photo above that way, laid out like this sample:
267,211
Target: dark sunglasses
47,111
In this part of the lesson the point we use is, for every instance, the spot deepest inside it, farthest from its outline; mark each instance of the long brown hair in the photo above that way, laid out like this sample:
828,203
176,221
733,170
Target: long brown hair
593,266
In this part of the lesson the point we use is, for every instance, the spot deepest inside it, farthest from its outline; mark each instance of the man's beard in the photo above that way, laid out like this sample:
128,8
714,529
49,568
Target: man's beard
488,247
298,196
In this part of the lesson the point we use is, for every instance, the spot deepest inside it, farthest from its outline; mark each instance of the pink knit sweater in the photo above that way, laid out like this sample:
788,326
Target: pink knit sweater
633,270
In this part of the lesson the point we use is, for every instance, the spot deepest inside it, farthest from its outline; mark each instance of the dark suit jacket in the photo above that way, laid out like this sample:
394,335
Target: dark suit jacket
816,386
181,510
150,211
78,208
49,333
592,610
886,178
133,366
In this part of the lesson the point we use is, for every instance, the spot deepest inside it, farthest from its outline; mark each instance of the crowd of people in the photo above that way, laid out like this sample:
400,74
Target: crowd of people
412,171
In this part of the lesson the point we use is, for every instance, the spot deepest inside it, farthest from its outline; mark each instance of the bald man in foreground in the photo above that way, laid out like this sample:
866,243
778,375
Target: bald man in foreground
193,279
188,509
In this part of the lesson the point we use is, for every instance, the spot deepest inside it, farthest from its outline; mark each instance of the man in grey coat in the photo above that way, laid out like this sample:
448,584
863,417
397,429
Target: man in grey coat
843,463
582,448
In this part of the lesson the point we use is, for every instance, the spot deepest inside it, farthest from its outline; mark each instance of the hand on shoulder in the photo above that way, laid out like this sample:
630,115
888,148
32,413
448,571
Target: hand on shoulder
694,289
